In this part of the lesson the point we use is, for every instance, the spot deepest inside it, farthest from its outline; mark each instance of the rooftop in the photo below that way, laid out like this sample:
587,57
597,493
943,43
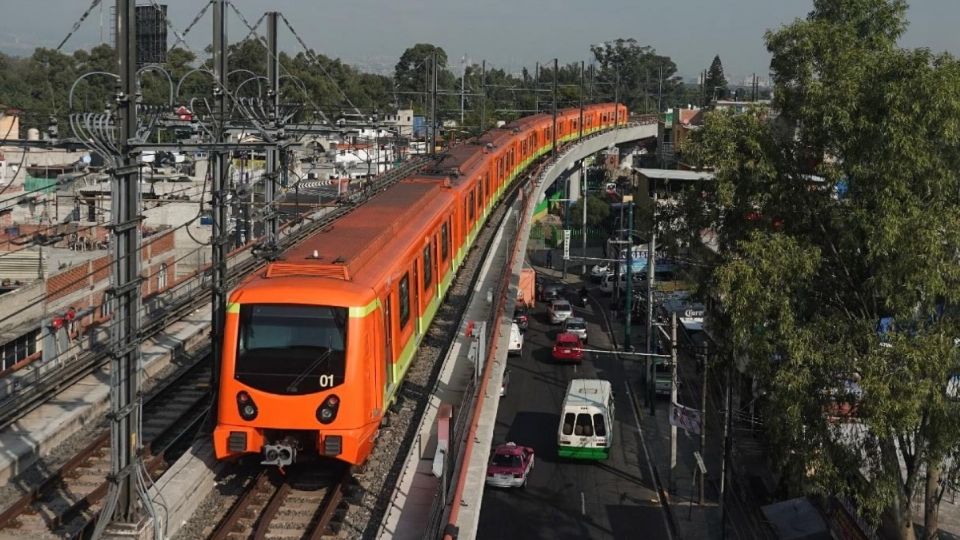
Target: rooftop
670,174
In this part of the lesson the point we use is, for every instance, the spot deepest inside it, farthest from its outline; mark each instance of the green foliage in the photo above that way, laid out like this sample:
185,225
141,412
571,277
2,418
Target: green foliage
598,211
39,85
715,85
639,69
804,276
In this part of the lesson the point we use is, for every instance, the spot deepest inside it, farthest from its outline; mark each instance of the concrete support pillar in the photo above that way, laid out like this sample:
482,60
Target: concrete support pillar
575,190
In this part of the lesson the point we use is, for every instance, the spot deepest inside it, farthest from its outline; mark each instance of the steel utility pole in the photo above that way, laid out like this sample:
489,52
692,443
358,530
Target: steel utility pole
566,224
673,399
651,281
273,153
122,508
463,78
220,186
483,96
536,89
433,107
593,83
704,354
627,345
554,131
727,443
660,90
616,101
646,90
580,137
583,202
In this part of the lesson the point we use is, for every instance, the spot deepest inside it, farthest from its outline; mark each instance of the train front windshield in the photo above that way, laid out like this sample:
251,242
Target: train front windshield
291,349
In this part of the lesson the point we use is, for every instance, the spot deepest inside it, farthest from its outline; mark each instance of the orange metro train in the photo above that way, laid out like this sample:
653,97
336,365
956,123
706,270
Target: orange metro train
316,346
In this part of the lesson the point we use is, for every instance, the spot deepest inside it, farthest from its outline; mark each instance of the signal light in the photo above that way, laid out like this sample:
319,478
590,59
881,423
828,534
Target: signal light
327,411
246,407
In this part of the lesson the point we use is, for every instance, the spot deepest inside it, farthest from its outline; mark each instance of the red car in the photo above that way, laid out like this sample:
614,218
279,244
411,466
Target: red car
510,465
568,348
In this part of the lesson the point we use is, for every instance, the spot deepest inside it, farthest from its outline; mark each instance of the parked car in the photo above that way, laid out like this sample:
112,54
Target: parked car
568,348
548,293
577,326
522,317
510,465
516,340
559,311
600,270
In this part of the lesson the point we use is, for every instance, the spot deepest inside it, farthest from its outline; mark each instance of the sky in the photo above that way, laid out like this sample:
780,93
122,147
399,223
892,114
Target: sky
507,33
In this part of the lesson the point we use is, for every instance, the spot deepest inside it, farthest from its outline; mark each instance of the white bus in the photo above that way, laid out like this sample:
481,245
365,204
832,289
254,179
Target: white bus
586,420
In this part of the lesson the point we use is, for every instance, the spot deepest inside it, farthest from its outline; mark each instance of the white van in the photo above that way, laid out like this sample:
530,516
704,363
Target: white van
516,340
607,282
586,420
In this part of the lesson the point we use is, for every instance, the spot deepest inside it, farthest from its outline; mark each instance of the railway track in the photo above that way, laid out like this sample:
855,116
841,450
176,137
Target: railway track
67,503
252,514
301,504
32,394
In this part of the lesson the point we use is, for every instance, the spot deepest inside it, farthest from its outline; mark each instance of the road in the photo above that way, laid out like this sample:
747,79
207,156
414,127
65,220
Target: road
567,498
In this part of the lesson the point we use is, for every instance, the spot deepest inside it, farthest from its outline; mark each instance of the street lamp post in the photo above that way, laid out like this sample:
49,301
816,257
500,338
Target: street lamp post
651,277
627,346
566,221
583,202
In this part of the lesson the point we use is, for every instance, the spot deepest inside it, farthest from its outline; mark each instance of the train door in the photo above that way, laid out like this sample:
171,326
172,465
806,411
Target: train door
388,334
416,296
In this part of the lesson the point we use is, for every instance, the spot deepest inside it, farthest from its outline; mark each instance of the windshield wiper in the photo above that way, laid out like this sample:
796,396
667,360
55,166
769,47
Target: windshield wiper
303,375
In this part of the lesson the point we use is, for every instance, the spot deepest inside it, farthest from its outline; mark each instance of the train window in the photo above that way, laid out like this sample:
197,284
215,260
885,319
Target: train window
427,267
486,184
404,289
568,420
444,241
291,349
471,205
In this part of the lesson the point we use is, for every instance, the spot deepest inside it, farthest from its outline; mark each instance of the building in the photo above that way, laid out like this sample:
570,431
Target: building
9,123
402,120
674,129
61,307
740,107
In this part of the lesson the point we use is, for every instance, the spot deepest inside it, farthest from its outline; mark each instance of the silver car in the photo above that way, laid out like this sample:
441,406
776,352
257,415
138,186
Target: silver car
576,326
559,311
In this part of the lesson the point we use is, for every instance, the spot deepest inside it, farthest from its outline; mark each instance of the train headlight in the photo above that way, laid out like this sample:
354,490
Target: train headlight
327,411
246,406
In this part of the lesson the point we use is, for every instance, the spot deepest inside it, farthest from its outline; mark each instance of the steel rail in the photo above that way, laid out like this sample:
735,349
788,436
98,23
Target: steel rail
156,454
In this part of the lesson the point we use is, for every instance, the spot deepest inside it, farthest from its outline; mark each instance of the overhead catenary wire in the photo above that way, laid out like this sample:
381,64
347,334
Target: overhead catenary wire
253,32
77,24
195,20
313,56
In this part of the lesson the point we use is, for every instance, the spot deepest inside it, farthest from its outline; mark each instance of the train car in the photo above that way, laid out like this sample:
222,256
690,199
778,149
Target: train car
317,345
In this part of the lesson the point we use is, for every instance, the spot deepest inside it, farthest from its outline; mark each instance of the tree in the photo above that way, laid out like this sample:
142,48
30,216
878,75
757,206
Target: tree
597,211
637,74
411,73
807,274
715,84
